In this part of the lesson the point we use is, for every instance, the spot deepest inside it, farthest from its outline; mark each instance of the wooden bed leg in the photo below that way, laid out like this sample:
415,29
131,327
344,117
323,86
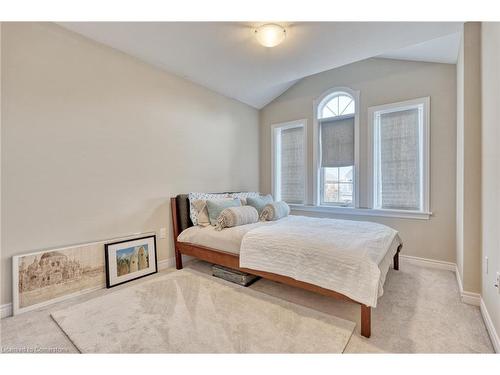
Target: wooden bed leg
366,313
175,232
396,259
178,260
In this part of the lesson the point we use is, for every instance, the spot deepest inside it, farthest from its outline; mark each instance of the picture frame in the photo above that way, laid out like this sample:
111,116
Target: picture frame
130,259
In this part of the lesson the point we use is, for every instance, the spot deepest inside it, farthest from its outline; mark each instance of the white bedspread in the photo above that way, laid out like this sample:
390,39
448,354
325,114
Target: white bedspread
341,255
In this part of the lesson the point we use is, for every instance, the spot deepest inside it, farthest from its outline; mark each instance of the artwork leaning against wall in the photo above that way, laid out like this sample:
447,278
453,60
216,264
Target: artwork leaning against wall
47,276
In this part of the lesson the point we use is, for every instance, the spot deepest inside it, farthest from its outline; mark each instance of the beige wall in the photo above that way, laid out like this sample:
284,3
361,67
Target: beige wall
469,158
1,116
490,167
94,142
382,81
460,160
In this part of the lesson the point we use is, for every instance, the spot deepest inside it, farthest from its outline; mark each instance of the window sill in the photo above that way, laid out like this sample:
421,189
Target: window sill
402,214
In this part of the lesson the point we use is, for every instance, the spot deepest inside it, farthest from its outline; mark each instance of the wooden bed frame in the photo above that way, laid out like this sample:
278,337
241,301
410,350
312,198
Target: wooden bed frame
231,260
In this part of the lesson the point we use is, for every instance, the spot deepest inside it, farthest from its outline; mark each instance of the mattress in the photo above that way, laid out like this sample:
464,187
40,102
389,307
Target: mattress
228,239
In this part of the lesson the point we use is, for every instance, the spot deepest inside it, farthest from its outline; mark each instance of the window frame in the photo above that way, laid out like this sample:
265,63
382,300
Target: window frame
424,132
322,186
275,177
317,186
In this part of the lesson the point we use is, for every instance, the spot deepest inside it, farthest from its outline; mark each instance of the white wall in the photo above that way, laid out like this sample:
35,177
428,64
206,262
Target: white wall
94,143
491,166
382,81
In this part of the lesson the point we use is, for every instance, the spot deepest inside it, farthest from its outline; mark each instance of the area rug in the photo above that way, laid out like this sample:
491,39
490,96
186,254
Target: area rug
189,312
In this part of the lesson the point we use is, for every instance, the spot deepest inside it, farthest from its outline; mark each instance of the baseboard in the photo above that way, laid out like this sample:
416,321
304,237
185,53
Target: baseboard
429,263
170,262
495,340
166,263
6,310
469,298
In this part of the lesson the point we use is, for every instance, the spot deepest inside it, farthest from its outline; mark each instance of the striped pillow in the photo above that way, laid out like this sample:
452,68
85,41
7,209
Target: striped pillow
275,211
235,216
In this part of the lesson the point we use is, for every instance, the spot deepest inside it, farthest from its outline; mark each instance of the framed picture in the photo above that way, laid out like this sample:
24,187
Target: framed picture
130,259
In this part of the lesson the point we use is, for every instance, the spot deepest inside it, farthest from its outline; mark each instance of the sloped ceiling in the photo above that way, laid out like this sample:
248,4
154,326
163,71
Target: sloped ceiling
440,50
226,58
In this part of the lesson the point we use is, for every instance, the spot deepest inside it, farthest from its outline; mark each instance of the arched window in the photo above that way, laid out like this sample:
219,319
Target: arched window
336,120
336,104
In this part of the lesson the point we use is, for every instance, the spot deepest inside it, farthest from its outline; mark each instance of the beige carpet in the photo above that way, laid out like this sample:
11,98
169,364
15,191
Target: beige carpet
190,312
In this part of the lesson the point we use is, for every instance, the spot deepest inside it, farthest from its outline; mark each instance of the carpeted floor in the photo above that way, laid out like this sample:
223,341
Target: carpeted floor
420,312
191,312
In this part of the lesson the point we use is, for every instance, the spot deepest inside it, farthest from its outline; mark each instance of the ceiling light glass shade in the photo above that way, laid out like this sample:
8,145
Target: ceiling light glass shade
270,35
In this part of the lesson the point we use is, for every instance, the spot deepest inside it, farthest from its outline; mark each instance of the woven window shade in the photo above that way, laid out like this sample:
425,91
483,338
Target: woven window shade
292,165
400,160
337,142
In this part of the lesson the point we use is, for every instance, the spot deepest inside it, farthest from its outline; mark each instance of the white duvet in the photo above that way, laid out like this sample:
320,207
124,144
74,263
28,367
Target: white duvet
349,257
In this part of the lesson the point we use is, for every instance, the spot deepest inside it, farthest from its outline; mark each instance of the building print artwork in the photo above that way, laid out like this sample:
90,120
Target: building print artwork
130,259
52,268
46,276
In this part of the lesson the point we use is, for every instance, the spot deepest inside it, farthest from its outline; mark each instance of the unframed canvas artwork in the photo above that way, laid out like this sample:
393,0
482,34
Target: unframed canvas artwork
50,275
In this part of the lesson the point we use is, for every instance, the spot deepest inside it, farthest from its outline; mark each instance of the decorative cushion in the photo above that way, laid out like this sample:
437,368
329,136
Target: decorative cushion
201,207
215,207
193,212
275,211
244,195
259,202
234,216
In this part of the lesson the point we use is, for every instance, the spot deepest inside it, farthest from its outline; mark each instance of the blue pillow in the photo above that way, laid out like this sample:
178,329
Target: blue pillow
259,202
215,207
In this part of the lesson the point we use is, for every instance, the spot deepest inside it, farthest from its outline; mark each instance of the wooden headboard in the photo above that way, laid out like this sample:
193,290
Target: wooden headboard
181,219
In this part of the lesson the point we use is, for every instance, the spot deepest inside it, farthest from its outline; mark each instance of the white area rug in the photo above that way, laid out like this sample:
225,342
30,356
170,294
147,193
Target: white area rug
188,312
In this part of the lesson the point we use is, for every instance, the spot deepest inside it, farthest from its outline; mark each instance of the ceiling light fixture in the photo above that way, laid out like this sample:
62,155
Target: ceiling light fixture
270,35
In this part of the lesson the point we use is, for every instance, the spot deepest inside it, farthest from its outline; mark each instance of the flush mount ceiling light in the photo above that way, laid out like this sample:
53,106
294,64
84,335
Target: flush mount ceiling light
270,35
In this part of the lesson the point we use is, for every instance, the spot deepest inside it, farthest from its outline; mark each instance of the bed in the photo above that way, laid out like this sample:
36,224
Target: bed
296,251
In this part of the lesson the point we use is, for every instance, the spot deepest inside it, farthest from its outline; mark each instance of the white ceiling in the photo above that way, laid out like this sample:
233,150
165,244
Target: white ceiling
439,50
225,57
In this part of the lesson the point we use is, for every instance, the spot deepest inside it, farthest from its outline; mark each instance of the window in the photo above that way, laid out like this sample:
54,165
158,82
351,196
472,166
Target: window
336,127
289,166
400,145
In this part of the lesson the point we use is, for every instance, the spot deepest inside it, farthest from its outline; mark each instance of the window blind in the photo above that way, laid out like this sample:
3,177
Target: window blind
399,155
292,165
337,142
